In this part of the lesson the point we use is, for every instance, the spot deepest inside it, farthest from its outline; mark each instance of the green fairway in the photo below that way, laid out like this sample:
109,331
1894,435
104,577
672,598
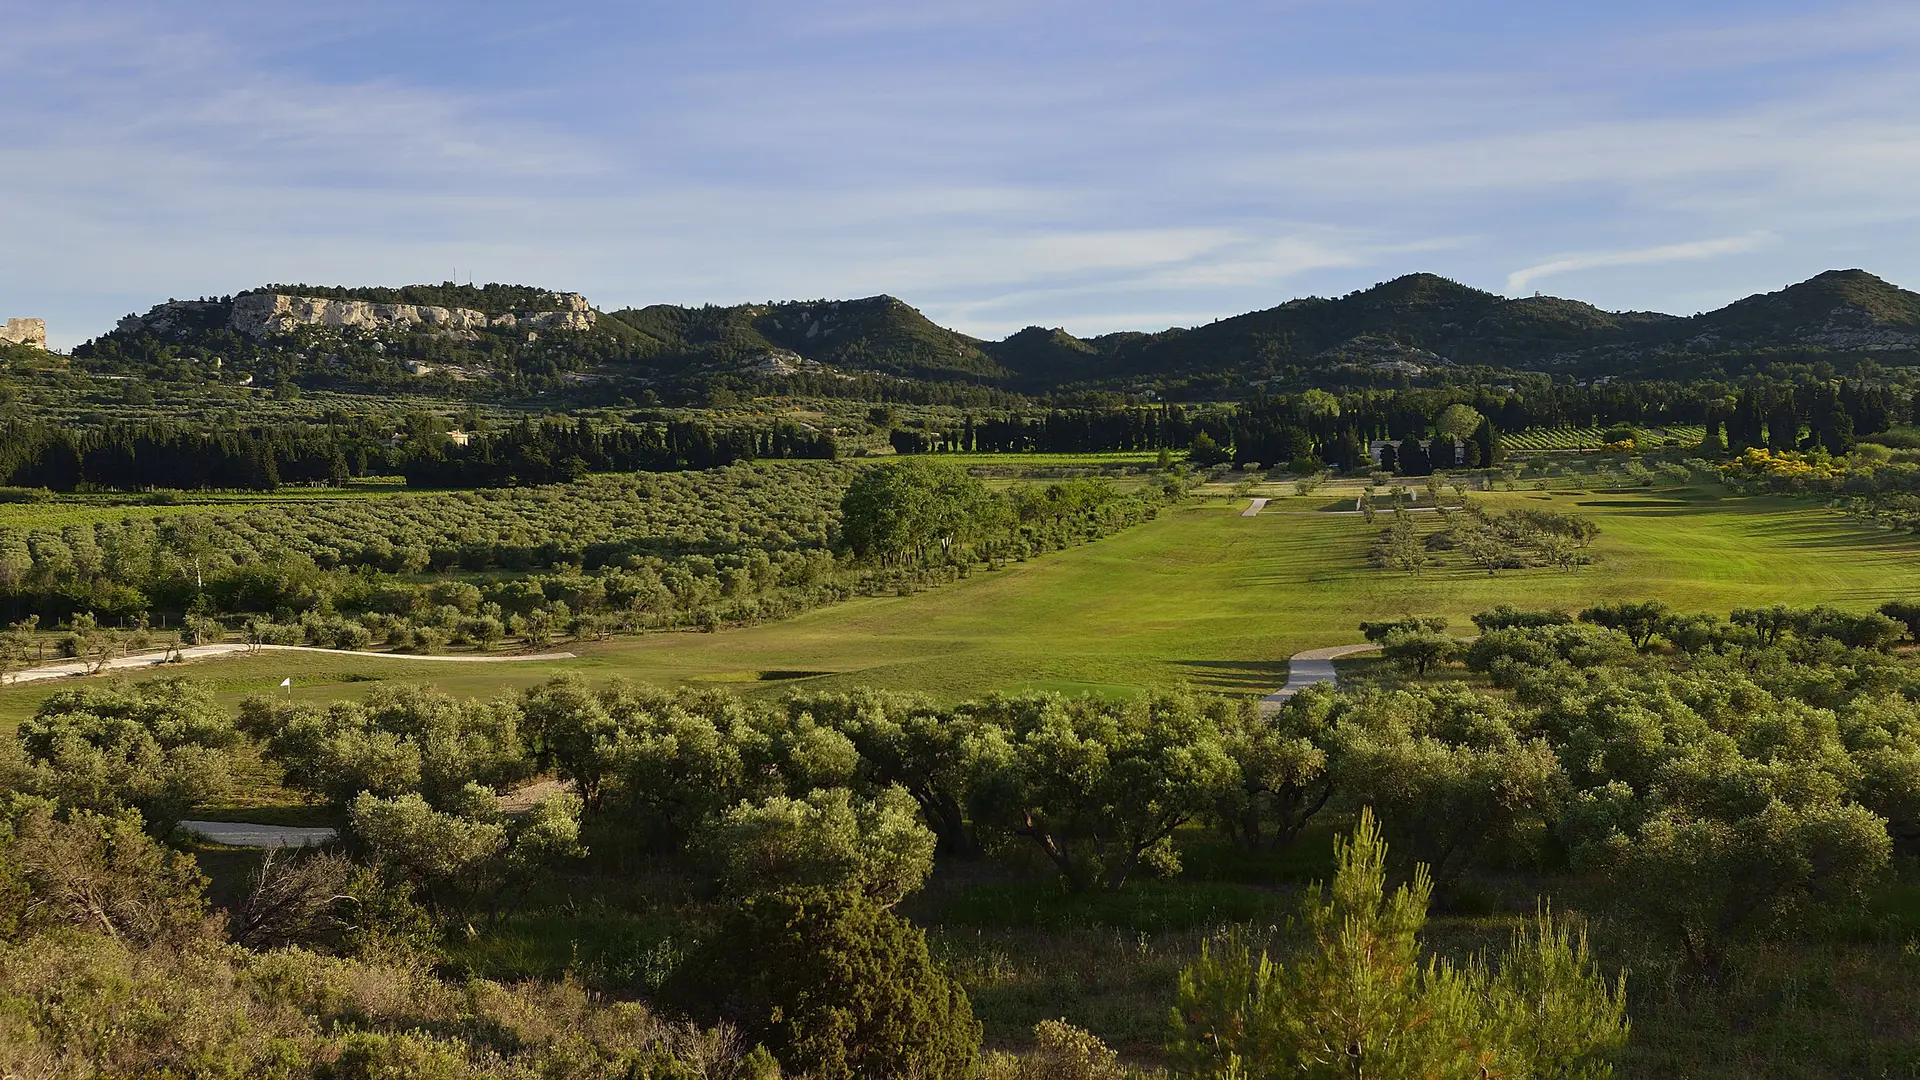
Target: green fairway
1201,596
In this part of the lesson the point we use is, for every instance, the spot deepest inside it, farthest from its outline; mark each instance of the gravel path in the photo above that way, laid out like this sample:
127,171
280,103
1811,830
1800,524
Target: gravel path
206,652
1309,667
1254,510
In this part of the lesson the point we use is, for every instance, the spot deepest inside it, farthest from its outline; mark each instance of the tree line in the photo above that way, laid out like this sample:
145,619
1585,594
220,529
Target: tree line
560,450
137,456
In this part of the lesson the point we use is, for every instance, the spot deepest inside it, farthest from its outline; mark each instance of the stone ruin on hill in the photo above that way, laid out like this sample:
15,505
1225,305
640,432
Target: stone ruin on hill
25,332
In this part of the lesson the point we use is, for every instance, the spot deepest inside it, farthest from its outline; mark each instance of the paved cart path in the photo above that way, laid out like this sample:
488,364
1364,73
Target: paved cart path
207,652
1308,668
247,834
1251,511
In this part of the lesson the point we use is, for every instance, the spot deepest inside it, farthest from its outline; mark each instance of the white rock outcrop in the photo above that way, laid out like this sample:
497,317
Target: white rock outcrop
25,332
261,314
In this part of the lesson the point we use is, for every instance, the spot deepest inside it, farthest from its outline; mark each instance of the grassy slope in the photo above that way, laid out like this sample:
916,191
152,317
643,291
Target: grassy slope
1201,596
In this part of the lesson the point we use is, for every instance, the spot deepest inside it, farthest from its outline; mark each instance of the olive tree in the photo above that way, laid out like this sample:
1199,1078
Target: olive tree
878,847
399,740
1420,650
471,856
1447,772
932,753
1281,760
1638,620
1100,787
160,747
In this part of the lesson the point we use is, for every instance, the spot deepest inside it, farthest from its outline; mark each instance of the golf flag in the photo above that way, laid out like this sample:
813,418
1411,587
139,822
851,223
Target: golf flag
287,682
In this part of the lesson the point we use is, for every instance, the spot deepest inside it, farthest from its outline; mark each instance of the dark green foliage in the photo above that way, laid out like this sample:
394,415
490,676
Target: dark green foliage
1706,880
1284,780
1499,651
400,741
470,857
1906,613
1638,620
878,333
1204,451
492,298
1420,651
927,512
1454,775
1380,629
1414,459
1506,616
914,510
932,753
562,451
837,987
1855,630
1100,787
829,839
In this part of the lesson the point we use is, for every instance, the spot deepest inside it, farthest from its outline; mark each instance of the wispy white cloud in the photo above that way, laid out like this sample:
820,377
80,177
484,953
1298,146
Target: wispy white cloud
1519,280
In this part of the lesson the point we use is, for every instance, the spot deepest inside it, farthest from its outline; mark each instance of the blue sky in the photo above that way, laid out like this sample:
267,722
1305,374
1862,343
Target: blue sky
1097,166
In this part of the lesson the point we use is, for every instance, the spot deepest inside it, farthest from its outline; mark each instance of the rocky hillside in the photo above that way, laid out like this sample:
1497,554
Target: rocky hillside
266,312
322,335
1407,327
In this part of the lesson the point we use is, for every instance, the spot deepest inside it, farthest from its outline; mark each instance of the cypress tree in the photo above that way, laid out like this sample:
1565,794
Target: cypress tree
1413,458
1487,438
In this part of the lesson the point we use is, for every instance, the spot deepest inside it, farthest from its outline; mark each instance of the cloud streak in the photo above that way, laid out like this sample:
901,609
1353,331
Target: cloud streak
1692,250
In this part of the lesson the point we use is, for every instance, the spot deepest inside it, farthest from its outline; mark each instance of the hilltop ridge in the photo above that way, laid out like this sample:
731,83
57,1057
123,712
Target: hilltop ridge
1406,327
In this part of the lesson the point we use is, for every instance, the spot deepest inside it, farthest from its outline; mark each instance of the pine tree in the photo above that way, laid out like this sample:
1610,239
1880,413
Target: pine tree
1362,1001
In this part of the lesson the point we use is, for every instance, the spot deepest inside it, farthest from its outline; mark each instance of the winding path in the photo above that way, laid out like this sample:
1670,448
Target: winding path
1254,510
1309,667
204,652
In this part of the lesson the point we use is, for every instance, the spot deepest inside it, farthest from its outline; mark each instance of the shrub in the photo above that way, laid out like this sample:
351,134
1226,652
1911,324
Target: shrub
1061,1052
94,872
835,986
1506,617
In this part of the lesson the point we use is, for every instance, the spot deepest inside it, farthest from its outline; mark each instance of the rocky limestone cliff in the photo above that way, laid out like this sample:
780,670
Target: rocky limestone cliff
263,314
25,332
271,313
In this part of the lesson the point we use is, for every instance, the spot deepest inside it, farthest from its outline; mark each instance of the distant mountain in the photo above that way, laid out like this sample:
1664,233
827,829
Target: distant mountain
1413,319
1420,321
1840,309
1405,327
878,334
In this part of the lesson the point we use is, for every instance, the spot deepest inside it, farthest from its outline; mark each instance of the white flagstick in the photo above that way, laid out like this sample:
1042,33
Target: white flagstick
288,683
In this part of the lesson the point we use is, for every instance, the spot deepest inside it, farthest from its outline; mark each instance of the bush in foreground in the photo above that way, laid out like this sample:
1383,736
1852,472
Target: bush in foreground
835,986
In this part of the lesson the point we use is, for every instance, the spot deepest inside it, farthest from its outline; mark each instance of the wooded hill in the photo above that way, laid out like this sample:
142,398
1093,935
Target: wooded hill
1406,328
